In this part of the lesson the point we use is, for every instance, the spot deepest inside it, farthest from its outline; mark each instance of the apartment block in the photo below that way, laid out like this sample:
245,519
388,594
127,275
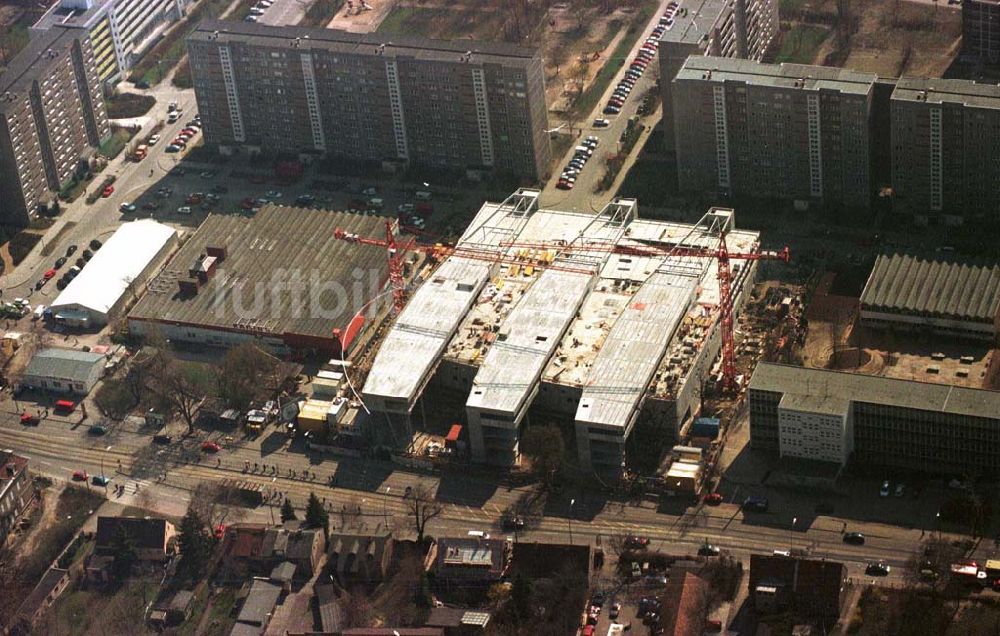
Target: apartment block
120,31
981,30
785,131
366,96
53,116
946,148
874,421
744,29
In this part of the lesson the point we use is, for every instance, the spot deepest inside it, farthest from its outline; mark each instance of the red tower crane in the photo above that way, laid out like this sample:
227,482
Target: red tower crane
721,254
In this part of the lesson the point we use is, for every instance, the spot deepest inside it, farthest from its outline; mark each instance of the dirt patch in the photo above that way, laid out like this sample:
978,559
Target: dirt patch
887,37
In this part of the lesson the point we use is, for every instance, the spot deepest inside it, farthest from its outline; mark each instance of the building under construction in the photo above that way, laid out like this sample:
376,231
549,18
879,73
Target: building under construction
605,320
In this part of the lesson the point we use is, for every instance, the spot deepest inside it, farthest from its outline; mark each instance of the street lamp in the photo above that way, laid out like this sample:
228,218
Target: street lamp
569,520
790,530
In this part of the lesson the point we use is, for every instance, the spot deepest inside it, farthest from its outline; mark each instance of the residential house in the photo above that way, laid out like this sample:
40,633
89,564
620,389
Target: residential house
470,560
291,542
173,610
684,605
330,612
16,490
52,584
360,558
152,536
809,588
457,621
283,574
257,610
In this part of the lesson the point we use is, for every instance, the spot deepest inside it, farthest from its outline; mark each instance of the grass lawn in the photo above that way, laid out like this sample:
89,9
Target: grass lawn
97,611
125,105
115,143
321,12
220,621
448,23
586,102
801,43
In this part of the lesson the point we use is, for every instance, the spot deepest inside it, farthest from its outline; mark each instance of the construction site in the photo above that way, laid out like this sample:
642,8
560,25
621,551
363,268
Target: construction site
601,323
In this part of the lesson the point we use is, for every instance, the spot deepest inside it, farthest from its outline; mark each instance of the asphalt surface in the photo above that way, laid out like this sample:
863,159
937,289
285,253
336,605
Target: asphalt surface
582,198
285,12
59,446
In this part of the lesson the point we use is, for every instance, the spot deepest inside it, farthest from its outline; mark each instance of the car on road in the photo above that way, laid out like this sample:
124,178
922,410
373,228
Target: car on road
854,538
71,250
80,475
884,490
634,541
40,283
708,550
108,191
512,522
30,419
878,568
127,207
600,122
100,480
97,429
713,499
49,274
152,140
210,447
900,490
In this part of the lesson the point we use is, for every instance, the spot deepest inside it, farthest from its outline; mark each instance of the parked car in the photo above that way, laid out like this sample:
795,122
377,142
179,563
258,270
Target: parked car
708,550
512,522
184,209
30,419
70,250
878,568
97,429
60,262
601,123
80,475
108,191
100,480
127,207
210,447
713,499
162,438
884,490
634,541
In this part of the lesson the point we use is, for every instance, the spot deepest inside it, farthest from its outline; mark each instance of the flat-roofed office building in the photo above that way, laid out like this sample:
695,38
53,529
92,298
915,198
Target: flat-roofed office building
367,96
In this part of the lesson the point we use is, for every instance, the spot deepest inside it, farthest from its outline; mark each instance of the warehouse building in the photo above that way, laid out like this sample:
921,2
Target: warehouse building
465,105
877,422
568,316
780,131
280,279
933,295
116,275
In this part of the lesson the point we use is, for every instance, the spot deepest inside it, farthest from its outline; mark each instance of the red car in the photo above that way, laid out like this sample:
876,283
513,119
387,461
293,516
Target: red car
80,475
713,499
29,419
49,274
220,531
210,447
108,191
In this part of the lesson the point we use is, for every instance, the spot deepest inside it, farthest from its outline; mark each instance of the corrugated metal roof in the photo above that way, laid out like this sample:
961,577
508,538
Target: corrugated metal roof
262,255
65,364
937,288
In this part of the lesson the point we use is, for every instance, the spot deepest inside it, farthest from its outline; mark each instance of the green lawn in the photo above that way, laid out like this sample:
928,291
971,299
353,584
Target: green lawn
801,43
321,12
113,146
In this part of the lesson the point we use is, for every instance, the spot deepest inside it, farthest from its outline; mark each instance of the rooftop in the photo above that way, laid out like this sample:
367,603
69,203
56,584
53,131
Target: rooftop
268,260
387,45
259,604
797,76
121,260
65,364
11,466
933,287
33,62
147,532
911,394
947,91
72,13
695,19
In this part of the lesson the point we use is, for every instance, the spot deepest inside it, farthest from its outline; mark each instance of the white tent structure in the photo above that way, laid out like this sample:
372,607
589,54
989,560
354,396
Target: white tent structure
115,274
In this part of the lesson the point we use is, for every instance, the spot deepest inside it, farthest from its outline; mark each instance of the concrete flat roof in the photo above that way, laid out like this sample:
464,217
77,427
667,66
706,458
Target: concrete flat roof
694,20
792,76
911,394
947,91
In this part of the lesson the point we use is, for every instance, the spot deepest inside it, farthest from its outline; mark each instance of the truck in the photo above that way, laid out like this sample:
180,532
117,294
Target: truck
140,152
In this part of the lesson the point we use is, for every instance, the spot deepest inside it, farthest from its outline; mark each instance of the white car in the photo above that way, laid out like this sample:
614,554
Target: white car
184,210
274,194
152,140
601,123
884,491
249,18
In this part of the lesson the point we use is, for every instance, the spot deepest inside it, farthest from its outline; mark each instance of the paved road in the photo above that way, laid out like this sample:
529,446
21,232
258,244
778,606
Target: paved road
285,12
582,197
56,449
103,217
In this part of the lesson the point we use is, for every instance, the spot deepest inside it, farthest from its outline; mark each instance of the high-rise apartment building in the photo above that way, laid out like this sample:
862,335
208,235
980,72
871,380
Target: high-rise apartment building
744,29
368,96
946,148
787,131
981,30
120,30
53,113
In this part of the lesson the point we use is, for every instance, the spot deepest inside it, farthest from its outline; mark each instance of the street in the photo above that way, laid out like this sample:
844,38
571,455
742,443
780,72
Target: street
169,473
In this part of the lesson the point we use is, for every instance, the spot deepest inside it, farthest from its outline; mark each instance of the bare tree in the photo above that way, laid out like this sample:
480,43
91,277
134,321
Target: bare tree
181,387
422,508
217,504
